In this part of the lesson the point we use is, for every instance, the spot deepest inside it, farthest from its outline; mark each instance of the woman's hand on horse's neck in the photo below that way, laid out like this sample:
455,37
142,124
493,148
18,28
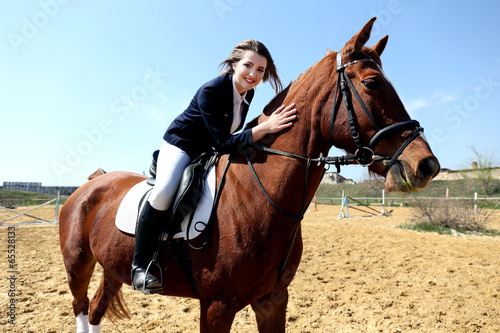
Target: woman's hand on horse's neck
279,120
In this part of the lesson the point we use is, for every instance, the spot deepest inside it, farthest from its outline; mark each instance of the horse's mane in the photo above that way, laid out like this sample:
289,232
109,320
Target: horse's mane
277,101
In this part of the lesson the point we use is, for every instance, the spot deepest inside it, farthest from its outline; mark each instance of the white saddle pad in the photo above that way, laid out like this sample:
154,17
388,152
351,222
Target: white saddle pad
126,217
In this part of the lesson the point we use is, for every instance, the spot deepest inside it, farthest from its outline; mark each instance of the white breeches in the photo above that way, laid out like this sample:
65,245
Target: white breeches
171,164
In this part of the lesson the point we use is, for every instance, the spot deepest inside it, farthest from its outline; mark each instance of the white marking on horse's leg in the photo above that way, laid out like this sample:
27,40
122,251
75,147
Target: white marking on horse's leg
95,328
82,323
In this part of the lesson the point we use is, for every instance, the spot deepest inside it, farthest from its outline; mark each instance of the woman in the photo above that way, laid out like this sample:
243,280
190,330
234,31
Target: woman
218,110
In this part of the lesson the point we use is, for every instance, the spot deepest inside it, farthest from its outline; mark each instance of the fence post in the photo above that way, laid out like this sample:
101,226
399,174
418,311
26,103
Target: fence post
383,201
475,200
56,218
345,203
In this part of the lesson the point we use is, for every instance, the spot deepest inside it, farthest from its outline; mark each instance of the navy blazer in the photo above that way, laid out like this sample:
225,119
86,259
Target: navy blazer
206,123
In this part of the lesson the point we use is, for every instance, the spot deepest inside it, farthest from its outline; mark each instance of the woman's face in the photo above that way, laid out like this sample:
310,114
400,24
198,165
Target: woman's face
248,72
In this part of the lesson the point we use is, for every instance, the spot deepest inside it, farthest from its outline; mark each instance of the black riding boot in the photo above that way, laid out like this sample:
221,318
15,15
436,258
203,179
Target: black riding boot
147,233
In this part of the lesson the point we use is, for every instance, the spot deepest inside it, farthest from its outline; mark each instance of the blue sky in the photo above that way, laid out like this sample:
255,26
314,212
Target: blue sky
89,84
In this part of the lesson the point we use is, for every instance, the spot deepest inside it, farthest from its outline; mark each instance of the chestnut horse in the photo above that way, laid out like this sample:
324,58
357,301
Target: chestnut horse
255,244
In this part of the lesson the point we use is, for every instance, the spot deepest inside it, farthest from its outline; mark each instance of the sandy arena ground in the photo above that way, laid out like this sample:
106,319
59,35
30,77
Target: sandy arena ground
356,275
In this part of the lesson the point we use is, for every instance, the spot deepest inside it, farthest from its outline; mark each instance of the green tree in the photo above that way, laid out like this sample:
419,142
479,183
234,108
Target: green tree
484,163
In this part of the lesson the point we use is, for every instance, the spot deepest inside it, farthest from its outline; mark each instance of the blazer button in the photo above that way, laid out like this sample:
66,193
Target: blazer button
226,115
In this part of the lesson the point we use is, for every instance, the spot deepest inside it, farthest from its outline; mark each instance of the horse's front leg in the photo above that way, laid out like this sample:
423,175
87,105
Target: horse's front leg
270,311
216,316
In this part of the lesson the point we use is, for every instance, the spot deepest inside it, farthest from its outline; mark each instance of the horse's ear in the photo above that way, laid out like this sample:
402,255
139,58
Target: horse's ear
380,46
359,40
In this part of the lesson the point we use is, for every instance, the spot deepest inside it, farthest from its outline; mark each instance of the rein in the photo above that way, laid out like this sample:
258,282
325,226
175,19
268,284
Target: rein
364,155
296,218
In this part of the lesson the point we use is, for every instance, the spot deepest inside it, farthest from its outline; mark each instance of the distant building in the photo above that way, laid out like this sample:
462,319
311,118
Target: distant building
335,178
37,187
448,174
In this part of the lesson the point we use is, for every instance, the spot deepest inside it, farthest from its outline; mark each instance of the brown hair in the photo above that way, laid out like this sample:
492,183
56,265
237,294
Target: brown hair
252,45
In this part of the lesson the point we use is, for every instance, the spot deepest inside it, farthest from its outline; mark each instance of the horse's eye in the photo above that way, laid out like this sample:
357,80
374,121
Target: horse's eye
372,83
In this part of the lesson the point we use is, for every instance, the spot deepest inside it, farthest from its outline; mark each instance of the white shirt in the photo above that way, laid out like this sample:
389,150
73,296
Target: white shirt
237,100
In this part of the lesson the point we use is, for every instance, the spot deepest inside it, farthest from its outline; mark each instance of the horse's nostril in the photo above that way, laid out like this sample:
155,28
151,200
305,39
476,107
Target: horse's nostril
428,167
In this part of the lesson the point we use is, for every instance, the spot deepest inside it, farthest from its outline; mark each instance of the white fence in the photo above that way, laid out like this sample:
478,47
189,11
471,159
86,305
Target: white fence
403,201
25,213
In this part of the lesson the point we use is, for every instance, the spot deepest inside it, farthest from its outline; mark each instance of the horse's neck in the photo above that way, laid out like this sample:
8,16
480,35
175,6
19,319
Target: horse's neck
297,178
311,93
305,138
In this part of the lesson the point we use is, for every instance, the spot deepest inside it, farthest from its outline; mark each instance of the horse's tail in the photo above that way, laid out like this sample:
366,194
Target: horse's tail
117,309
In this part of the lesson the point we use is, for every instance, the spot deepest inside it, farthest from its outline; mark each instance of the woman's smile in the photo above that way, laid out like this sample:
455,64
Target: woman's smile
248,72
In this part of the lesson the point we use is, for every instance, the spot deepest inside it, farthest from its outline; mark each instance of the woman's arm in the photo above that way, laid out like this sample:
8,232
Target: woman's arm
215,103
279,120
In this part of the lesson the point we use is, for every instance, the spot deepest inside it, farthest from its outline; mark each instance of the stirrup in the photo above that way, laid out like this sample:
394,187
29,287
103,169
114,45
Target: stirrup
145,290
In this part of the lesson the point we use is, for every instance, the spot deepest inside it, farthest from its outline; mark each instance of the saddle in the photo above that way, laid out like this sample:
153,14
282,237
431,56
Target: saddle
185,202
190,187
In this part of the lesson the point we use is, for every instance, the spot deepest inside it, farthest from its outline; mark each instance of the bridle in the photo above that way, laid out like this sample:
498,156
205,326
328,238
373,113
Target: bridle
364,154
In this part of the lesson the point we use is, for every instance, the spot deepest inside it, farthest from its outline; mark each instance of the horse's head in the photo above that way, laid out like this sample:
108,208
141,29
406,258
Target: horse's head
367,105
346,100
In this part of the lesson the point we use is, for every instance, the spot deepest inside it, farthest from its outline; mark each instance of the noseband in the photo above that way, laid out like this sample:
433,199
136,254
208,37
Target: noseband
364,154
